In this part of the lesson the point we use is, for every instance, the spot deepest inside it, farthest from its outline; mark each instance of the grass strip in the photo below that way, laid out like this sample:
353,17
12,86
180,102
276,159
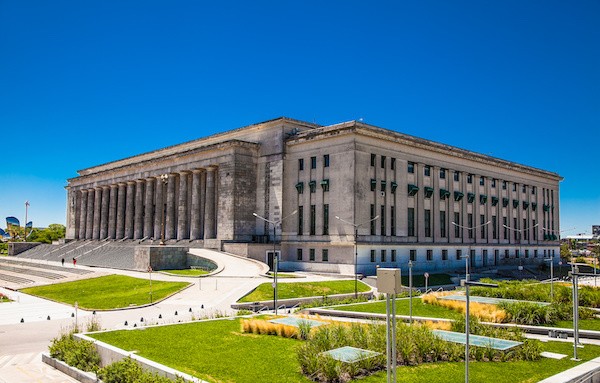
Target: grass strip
217,351
403,308
107,292
288,290
187,272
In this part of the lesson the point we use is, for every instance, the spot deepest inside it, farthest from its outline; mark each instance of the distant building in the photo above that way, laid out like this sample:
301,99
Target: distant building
596,230
413,199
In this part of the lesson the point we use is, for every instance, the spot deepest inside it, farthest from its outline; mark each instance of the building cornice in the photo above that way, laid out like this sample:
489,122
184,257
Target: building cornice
355,127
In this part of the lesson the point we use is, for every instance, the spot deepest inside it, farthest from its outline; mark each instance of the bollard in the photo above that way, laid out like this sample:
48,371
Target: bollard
190,309
141,319
22,320
48,318
135,325
126,323
175,312
72,315
159,316
202,306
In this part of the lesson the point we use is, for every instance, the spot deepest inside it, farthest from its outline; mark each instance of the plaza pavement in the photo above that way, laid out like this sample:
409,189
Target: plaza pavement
21,344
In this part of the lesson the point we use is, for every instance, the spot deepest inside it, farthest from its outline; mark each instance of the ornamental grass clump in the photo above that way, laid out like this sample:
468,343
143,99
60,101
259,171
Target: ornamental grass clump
80,354
264,327
483,311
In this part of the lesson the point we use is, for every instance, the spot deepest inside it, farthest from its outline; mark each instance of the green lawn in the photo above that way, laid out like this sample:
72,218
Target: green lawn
434,280
403,308
264,292
108,292
584,324
187,272
217,351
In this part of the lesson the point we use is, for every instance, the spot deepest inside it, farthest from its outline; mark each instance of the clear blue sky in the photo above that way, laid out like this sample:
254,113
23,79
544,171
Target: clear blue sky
87,82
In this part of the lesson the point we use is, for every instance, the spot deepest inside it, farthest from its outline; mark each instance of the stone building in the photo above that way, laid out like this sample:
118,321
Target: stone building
410,198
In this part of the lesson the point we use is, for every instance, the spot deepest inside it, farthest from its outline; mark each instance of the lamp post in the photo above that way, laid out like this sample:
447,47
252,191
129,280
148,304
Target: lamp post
275,257
575,274
356,226
520,231
164,178
410,289
467,284
468,256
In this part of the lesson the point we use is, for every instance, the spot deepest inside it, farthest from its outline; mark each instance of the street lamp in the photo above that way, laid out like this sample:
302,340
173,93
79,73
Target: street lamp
356,226
164,178
575,274
410,288
275,257
520,231
468,256
467,284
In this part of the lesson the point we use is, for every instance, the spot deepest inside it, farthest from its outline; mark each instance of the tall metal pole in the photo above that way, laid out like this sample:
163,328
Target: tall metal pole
394,337
574,271
387,336
355,262
25,228
275,270
467,335
410,288
551,280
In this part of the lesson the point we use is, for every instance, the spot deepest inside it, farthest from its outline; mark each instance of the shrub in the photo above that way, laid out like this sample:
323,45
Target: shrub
483,311
80,354
128,371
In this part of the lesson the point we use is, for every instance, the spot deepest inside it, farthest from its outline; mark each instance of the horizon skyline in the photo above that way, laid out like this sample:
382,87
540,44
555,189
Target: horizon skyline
90,83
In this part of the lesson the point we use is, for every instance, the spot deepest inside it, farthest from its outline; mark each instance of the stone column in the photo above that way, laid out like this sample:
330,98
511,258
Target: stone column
182,217
112,212
104,212
210,221
149,209
160,208
195,219
97,213
138,225
89,219
129,209
122,195
83,213
170,219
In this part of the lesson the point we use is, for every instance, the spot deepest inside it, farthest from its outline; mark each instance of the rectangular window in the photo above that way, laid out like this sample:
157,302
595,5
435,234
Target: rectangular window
483,226
524,189
372,219
382,220
427,170
456,176
411,167
444,255
493,182
413,255
313,220
326,219
514,187
372,255
442,224
526,253
372,159
393,220
383,162
515,228
470,224
430,255
410,216
427,222
373,184
393,255
503,185
301,164
506,254
469,178
312,254
504,225
382,255
482,180
326,161
300,220
299,254
533,225
325,255
525,230
533,190
516,253
458,254
456,227
442,174
535,253
393,163
494,227
313,162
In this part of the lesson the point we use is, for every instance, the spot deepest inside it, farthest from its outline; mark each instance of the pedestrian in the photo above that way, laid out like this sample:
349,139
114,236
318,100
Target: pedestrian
74,262
62,261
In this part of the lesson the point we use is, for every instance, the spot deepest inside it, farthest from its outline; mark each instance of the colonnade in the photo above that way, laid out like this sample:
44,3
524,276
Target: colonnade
183,204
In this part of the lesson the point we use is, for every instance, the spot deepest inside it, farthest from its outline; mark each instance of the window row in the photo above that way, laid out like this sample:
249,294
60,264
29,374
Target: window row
312,185
312,255
458,254
313,162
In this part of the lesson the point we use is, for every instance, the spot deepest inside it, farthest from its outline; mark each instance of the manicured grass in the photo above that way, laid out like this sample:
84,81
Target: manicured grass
187,272
434,280
403,308
108,292
217,351
264,292
282,275
584,324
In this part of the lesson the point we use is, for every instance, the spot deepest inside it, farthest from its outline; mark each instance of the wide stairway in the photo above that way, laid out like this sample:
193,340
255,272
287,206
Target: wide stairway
104,253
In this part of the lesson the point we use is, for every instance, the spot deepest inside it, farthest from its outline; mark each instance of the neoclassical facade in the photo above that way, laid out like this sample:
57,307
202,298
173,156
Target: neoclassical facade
410,198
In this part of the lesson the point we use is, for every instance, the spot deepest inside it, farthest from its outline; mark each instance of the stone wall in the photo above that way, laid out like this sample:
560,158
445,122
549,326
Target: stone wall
16,248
